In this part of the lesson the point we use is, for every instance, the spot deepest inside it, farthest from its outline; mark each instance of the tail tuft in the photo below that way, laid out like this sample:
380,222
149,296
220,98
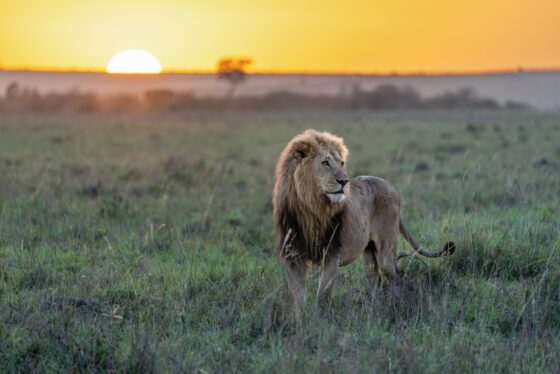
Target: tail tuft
448,248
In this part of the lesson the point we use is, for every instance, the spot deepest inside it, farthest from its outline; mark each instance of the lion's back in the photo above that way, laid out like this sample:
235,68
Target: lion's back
378,192
377,186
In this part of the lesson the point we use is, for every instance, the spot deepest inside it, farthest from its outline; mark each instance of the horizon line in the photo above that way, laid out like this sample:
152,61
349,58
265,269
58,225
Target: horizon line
518,70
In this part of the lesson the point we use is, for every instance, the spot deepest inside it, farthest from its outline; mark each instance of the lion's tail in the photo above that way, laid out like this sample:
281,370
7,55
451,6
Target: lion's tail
448,248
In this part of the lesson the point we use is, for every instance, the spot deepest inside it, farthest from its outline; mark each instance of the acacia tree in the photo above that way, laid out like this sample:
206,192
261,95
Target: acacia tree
234,71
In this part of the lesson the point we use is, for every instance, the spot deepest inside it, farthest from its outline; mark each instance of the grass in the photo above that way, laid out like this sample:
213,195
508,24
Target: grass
145,244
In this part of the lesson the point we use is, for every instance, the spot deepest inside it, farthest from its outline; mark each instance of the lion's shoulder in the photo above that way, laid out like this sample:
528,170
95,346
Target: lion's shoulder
374,191
375,184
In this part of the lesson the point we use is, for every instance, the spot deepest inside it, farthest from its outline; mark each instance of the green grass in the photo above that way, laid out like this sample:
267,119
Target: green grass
145,243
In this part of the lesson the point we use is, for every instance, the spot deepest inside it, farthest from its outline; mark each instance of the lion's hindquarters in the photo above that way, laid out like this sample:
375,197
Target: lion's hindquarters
386,253
385,227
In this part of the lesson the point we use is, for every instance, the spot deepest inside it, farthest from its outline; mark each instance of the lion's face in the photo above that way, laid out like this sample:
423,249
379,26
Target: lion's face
330,171
323,170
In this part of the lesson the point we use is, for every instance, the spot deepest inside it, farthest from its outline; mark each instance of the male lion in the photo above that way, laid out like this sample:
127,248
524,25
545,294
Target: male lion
326,219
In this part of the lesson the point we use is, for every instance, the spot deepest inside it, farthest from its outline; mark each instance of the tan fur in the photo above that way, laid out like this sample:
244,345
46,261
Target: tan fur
323,218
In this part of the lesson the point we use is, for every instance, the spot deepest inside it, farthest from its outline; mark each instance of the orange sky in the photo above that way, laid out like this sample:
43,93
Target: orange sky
289,35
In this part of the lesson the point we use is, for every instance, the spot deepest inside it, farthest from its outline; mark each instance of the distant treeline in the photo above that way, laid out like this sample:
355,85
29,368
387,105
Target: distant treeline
384,97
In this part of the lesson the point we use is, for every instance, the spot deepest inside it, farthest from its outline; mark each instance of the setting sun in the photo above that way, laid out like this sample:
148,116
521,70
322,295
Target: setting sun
401,36
133,61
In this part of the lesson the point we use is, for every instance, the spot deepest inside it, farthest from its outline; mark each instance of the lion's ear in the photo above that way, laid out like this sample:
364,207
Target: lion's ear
302,149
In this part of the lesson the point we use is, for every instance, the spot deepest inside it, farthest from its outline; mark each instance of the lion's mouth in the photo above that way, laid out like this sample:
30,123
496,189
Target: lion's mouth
336,192
337,196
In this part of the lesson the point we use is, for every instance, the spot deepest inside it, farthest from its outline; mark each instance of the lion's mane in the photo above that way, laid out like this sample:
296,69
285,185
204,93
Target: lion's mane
299,207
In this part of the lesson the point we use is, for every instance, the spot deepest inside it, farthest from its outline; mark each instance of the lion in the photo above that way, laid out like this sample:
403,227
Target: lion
324,218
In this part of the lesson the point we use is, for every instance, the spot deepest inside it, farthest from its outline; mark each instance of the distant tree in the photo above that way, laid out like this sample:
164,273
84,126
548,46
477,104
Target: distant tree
12,91
234,71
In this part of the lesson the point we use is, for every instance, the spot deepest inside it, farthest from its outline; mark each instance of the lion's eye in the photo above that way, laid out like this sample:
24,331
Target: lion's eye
342,164
326,163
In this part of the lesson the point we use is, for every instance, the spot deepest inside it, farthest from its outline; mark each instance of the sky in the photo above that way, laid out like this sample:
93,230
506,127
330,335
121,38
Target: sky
350,36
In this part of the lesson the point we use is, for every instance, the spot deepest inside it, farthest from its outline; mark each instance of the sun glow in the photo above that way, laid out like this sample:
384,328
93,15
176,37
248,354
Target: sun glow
133,61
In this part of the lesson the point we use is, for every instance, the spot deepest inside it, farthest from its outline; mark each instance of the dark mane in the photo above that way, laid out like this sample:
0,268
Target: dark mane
299,247
308,225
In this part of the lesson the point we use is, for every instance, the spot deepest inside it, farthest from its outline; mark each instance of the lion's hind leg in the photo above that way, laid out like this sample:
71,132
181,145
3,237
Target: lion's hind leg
386,258
371,270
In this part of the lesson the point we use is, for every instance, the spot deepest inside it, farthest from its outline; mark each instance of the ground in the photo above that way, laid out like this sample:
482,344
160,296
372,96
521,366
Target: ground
146,243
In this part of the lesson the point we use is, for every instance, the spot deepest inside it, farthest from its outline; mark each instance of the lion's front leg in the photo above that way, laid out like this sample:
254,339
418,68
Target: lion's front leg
329,270
296,272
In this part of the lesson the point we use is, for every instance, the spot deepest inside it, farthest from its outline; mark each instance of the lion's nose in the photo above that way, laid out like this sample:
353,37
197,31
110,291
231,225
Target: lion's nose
342,181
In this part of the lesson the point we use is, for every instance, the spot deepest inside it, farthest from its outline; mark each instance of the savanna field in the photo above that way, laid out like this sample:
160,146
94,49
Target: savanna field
145,243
